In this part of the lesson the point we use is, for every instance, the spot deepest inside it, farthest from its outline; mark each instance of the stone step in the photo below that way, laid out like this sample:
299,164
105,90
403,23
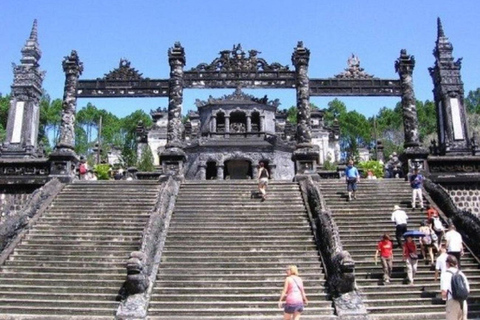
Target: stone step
236,297
247,316
6,268
58,303
19,312
231,305
62,282
40,296
273,310
69,252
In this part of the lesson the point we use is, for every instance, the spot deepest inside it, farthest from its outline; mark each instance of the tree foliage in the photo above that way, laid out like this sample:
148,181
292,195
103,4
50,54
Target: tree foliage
4,107
146,161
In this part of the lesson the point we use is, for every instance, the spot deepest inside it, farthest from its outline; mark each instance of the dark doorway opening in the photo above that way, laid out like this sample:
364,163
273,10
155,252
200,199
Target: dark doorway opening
211,170
238,169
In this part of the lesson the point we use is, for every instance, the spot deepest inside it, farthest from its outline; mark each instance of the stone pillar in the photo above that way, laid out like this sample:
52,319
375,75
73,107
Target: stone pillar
414,153
306,155
64,158
24,113
404,67
175,128
220,168
214,123
262,123
254,171
272,168
227,123
300,59
173,157
249,123
202,170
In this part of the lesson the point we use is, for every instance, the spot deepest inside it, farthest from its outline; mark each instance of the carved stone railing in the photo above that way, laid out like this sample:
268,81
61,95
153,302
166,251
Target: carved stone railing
14,227
467,223
143,265
338,264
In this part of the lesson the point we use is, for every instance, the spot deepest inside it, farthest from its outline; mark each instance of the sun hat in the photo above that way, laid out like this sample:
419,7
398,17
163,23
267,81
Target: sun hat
395,207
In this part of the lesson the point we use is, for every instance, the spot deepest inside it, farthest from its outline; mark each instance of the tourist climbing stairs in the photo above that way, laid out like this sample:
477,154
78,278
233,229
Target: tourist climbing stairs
362,223
71,264
227,251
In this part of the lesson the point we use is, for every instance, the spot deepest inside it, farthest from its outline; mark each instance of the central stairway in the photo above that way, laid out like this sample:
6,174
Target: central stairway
362,223
226,254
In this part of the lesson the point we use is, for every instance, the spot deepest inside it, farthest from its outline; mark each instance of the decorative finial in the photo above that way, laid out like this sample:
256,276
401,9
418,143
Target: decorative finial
440,33
33,33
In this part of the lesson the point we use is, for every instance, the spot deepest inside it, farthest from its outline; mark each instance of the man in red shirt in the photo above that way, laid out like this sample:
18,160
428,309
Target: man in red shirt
385,248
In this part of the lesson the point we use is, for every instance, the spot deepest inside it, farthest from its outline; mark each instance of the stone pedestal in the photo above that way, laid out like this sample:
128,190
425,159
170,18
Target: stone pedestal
305,158
62,165
172,161
416,157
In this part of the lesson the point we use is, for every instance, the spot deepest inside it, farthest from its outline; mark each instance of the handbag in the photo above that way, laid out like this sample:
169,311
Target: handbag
434,236
413,256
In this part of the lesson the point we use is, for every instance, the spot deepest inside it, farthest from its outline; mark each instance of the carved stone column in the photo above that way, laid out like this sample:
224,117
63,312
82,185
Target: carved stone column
254,171
220,168
64,158
73,69
404,67
173,157
202,170
300,59
262,123
214,123
272,168
227,123
306,155
249,123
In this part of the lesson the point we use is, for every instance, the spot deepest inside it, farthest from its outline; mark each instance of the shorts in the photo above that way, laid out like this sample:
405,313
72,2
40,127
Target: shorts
292,308
352,184
263,181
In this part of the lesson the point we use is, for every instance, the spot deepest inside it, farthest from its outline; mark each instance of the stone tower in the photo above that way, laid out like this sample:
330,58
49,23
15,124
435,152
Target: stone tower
24,114
448,94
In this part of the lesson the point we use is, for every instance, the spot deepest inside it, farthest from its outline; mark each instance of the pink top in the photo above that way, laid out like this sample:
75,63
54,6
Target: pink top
294,293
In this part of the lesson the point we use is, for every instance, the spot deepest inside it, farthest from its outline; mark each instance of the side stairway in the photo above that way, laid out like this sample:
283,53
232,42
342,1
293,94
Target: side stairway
226,254
362,223
71,264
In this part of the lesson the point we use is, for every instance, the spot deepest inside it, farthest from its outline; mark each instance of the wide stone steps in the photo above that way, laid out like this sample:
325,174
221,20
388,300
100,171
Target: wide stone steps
361,223
226,252
71,264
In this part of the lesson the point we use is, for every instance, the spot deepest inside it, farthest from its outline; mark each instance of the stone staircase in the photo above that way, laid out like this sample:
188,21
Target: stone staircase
71,264
226,254
362,222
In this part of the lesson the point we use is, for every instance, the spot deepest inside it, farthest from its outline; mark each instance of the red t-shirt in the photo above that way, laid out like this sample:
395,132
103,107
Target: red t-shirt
386,248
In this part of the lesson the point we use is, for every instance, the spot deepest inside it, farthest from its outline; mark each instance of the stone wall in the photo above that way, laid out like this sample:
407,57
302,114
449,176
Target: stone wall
14,197
465,196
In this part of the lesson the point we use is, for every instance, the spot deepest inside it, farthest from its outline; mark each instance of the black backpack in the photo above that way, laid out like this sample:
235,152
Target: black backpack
458,287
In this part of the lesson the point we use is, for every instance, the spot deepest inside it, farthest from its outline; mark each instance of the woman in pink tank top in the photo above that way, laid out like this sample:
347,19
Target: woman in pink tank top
294,294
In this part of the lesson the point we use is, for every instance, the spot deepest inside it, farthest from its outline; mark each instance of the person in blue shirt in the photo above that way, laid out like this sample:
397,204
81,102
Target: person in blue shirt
352,177
416,181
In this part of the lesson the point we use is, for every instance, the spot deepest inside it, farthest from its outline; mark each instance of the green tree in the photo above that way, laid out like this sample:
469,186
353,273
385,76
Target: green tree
355,132
472,101
50,119
129,126
146,162
4,107
334,110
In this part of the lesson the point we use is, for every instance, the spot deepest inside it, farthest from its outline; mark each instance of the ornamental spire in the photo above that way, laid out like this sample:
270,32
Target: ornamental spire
31,52
440,33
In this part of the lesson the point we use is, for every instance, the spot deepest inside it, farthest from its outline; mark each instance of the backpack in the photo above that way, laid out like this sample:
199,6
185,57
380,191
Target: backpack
437,224
427,239
82,169
458,286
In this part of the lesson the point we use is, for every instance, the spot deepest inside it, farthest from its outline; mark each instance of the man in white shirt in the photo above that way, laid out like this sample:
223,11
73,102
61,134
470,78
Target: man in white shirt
454,243
400,218
441,264
454,309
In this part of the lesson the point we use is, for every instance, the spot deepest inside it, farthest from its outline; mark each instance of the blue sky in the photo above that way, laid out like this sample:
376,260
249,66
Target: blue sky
103,31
